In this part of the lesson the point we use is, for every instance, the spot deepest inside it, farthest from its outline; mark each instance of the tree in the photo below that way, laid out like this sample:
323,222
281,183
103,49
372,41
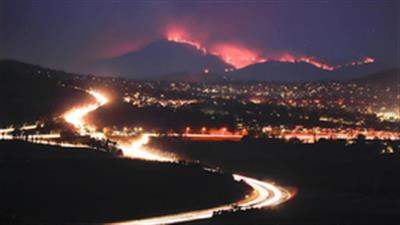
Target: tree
16,132
361,139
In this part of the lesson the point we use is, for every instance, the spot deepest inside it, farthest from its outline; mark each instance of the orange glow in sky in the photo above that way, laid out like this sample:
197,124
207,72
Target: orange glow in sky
237,56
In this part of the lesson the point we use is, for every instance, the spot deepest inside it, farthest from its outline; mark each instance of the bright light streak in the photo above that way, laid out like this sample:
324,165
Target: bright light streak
100,98
25,127
265,195
29,127
137,149
268,194
7,130
76,115
60,144
232,137
44,136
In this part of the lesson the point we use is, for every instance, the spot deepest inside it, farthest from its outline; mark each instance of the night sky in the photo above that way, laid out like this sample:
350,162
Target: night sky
67,34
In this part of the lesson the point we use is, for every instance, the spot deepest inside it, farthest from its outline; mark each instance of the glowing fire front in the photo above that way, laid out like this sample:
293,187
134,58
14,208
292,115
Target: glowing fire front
239,56
236,55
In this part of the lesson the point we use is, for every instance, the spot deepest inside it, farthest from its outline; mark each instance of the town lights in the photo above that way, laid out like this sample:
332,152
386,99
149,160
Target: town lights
203,130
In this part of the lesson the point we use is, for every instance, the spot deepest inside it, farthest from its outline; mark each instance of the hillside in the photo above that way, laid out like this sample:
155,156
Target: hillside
159,60
300,71
89,186
387,78
29,92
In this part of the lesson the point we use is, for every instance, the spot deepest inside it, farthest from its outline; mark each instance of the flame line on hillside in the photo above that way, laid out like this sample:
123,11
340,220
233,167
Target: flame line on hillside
239,56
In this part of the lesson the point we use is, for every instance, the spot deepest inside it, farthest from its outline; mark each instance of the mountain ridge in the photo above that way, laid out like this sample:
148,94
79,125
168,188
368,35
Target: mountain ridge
300,71
158,59
168,60
22,69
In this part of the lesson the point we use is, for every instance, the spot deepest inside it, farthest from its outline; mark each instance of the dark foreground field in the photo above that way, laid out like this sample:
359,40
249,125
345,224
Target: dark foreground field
52,185
337,184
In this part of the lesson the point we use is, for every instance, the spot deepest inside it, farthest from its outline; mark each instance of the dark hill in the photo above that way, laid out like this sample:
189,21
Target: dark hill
29,92
301,71
278,71
385,78
53,185
159,60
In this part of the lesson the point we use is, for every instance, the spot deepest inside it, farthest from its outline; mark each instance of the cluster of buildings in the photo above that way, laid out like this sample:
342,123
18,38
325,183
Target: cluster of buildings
352,97
314,134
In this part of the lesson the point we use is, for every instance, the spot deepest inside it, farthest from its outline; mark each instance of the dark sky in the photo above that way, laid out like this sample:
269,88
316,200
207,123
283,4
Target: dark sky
66,34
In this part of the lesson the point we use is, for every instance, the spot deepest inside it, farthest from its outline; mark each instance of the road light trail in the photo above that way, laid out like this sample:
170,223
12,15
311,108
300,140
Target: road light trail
264,195
137,149
23,128
76,115
268,193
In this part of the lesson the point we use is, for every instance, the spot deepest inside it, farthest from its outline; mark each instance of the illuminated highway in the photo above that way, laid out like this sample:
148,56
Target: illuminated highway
76,115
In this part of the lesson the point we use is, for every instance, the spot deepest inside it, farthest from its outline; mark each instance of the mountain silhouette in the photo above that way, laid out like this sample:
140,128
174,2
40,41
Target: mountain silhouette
159,60
299,71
